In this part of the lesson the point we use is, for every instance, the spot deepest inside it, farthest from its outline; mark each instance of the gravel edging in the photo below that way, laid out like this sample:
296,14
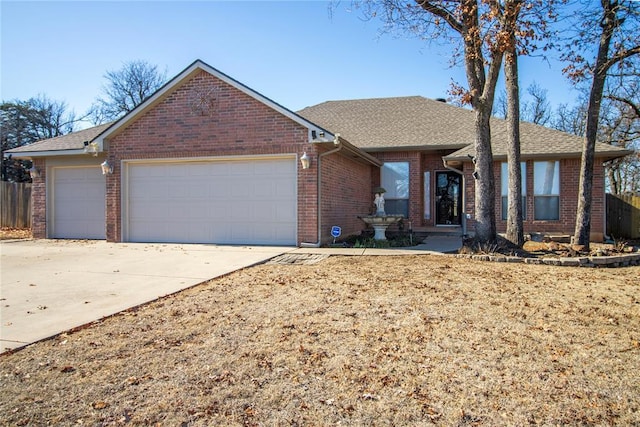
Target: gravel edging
625,260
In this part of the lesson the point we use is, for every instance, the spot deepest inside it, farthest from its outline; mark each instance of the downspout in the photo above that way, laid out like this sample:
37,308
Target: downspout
336,142
464,196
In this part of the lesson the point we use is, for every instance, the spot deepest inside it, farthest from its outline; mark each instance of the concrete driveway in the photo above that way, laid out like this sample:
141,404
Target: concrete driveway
50,286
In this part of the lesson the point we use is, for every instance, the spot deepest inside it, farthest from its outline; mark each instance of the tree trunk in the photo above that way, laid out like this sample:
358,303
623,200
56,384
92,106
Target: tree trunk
484,179
515,228
583,216
482,86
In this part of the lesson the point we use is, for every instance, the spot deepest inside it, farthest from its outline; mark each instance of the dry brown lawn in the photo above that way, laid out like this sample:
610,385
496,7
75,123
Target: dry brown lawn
410,340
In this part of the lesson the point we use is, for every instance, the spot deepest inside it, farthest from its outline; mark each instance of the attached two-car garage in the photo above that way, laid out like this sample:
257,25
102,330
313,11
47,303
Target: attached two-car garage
227,201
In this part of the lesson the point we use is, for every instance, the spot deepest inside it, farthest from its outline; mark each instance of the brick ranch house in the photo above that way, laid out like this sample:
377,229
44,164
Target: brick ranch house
207,159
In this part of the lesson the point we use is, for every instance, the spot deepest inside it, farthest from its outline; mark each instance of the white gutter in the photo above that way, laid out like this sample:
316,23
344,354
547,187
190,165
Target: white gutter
50,153
338,144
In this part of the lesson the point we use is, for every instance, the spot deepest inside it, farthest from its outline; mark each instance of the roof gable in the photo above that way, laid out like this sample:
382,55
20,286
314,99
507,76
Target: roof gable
185,76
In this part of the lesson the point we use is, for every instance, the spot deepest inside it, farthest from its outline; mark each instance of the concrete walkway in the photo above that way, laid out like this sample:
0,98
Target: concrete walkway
51,286
436,245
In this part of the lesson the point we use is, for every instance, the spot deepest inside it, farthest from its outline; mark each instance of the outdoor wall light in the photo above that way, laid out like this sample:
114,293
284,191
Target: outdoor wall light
106,168
34,172
305,160
91,148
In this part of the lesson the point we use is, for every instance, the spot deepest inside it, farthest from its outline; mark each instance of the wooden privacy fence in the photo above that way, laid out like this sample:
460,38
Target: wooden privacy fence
15,204
623,216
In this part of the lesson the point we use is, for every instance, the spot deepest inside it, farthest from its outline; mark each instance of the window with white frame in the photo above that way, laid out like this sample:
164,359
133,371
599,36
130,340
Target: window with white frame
395,179
504,183
546,190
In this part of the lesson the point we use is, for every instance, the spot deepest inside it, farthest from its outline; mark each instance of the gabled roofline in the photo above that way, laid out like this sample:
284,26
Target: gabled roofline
607,155
183,76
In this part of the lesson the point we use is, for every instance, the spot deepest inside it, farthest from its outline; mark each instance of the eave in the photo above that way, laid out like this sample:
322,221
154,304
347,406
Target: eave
352,151
422,148
50,153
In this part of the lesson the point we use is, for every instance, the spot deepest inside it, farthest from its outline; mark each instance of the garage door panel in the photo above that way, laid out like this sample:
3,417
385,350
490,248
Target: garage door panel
252,201
285,216
238,188
78,203
216,191
283,188
147,190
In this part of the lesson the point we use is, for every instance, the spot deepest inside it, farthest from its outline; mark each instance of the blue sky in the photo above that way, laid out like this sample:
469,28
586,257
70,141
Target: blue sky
292,52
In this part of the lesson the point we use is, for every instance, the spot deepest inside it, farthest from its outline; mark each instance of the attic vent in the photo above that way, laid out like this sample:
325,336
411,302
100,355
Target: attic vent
441,100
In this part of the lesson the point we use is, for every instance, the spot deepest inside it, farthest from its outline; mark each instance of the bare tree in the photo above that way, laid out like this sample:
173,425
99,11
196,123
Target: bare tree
535,107
500,108
524,25
570,119
515,227
620,126
24,122
617,37
125,89
538,110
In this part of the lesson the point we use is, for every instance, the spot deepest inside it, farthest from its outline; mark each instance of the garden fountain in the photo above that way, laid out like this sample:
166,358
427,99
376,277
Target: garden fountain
380,221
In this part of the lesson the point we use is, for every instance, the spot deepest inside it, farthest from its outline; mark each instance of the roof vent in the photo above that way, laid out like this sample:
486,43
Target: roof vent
441,100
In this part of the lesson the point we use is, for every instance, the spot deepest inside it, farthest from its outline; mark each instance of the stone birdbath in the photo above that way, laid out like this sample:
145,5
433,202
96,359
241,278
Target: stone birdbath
380,221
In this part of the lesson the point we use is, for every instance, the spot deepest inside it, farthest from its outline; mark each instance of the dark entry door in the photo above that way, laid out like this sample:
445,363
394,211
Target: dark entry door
448,198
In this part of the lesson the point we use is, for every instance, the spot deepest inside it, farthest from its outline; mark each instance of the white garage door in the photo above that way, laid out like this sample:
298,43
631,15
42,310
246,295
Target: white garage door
78,203
229,202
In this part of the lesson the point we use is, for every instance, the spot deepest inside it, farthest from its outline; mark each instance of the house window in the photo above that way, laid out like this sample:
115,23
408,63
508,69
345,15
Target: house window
546,190
504,175
427,195
395,179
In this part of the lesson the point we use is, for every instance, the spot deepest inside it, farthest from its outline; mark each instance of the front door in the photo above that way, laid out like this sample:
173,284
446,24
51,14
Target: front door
448,198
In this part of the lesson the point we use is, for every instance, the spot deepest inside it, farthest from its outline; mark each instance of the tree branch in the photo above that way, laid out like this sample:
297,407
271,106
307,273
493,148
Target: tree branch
620,56
442,13
635,107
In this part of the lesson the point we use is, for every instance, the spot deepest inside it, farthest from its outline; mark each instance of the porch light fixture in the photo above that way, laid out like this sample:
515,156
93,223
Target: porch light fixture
305,160
34,172
106,168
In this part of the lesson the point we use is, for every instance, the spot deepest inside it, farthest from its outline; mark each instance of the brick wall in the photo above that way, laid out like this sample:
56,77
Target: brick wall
569,177
39,201
346,194
415,179
236,124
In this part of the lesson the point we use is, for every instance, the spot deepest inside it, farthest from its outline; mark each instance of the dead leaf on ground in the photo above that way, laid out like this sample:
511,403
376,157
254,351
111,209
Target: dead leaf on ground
100,405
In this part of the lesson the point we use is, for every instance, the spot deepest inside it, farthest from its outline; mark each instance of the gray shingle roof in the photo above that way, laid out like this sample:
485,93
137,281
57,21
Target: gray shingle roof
394,122
70,141
536,142
416,122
